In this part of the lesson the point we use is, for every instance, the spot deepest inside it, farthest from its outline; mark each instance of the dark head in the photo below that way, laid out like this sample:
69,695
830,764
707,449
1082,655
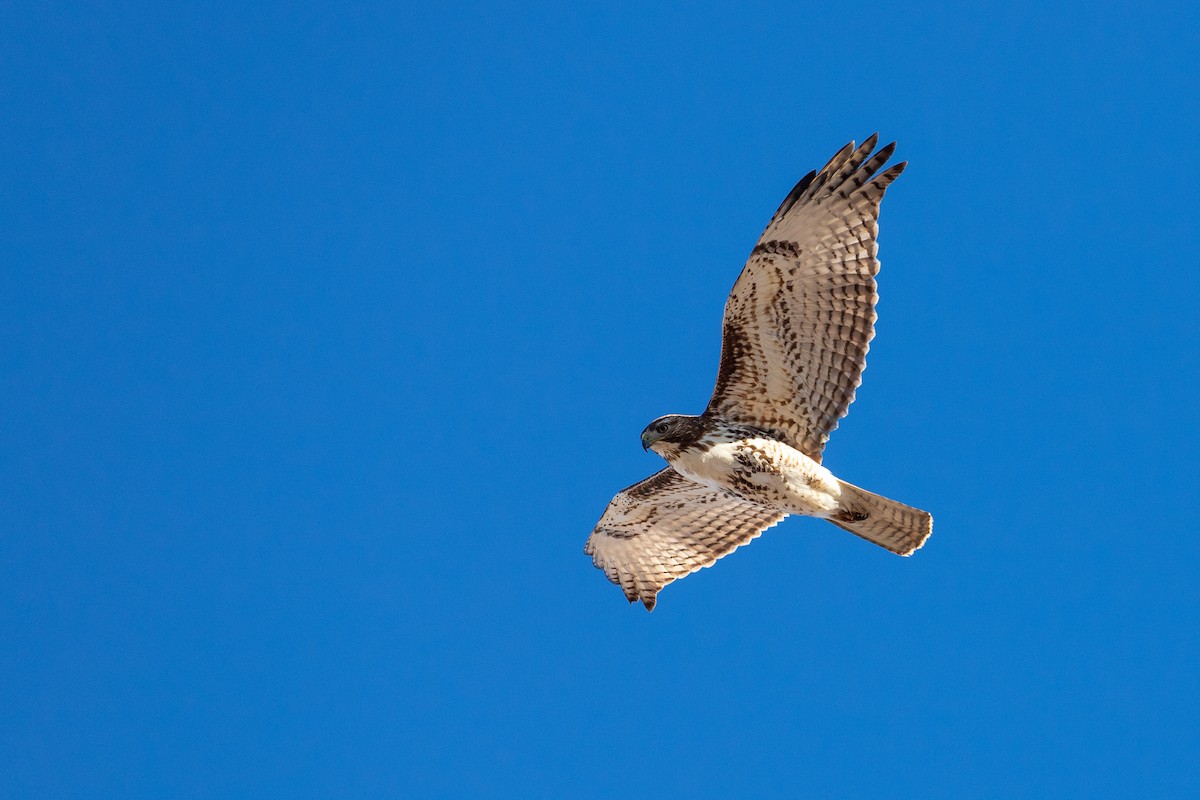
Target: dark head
667,435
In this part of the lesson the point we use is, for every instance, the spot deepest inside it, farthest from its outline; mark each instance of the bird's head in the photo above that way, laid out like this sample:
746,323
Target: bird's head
668,435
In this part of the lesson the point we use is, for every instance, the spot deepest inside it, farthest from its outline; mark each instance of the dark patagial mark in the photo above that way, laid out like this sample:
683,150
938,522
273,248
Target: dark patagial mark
777,248
613,533
736,350
652,485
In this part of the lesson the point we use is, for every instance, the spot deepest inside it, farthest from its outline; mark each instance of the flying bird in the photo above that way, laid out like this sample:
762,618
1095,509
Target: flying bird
794,342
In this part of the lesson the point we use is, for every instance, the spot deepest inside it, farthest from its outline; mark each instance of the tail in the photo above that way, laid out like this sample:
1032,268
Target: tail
900,528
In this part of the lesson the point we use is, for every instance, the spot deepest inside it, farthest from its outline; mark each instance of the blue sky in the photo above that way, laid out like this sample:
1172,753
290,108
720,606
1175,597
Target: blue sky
327,332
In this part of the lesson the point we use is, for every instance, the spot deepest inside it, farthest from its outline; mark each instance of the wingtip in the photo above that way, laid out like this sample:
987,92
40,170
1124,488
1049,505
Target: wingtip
884,179
838,157
649,601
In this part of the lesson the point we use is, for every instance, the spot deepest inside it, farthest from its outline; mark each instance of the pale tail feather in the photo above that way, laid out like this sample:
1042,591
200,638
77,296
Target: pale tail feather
900,528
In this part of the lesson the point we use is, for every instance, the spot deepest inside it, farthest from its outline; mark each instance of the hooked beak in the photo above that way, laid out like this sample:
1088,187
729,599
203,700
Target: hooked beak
647,440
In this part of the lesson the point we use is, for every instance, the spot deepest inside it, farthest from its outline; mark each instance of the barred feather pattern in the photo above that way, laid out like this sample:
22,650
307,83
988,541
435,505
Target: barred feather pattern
797,327
667,526
801,315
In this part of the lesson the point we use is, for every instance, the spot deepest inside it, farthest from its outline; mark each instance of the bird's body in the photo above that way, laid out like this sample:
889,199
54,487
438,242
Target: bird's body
796,332
756,468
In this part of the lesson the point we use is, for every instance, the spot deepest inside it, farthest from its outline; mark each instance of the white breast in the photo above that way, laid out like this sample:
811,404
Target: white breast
785,478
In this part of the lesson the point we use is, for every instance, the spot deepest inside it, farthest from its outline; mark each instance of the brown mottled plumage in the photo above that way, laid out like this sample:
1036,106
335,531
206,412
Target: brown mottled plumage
797,327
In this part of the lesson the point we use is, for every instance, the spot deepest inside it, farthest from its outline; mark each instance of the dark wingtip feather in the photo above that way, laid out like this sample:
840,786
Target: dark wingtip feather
838,157
794,194
830,169
865,175
847,171
885,178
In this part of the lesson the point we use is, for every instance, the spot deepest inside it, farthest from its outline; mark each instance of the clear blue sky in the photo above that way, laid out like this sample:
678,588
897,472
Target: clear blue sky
327,333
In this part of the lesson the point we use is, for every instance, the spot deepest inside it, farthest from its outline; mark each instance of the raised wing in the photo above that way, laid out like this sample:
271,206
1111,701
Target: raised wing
802,313
666,527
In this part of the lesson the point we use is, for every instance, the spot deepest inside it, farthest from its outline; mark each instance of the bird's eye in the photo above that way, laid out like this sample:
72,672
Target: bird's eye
662,427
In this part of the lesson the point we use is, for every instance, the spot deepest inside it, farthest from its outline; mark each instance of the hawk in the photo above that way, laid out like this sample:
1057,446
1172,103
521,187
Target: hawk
794,343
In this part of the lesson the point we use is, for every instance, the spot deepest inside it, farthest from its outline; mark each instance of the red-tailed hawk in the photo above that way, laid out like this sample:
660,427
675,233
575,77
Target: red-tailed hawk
797,327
